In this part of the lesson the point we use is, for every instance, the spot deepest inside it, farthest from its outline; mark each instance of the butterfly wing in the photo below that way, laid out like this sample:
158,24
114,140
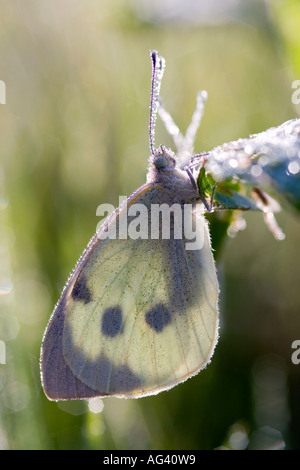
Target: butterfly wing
136,316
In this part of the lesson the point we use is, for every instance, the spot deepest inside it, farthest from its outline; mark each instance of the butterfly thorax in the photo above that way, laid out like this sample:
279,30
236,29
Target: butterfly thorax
164,170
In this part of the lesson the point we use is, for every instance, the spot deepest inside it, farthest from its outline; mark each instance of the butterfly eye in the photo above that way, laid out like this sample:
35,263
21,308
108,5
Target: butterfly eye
161,161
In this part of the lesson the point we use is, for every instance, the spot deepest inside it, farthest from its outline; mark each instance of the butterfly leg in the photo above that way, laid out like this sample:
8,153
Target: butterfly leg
171,127
184,143
212,197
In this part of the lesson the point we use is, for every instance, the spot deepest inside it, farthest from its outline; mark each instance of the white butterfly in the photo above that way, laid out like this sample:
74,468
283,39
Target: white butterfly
138,316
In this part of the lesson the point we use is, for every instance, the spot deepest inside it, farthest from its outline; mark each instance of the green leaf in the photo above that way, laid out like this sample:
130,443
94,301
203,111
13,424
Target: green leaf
233,200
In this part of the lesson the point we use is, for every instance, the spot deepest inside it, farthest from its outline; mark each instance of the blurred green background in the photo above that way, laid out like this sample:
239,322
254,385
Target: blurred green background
74,134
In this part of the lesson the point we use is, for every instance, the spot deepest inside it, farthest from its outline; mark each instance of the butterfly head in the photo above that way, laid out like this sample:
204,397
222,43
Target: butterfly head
163,159
164,170
162,165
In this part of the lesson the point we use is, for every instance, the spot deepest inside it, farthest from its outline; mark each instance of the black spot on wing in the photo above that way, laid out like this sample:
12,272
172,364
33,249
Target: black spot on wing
80,291
112,321
158,317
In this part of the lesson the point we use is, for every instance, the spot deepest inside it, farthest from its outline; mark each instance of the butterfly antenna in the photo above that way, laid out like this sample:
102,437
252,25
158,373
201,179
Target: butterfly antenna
158,68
